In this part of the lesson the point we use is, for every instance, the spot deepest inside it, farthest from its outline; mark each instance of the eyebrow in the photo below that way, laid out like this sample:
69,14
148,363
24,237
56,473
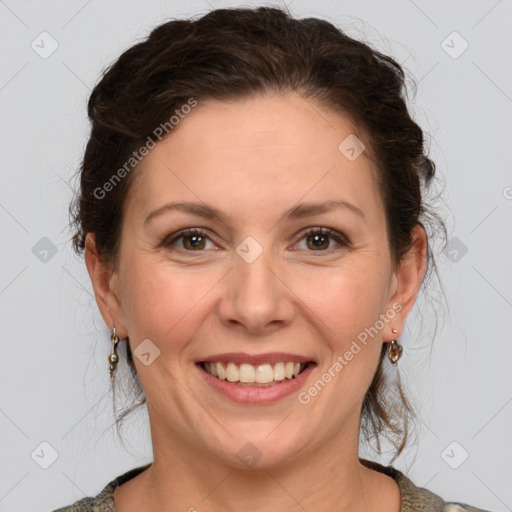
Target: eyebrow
296,212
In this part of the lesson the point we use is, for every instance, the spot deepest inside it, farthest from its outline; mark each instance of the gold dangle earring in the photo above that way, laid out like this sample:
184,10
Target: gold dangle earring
113,358
394,350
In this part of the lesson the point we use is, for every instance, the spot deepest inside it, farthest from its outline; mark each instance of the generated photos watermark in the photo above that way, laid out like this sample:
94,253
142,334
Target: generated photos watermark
304,397
158,133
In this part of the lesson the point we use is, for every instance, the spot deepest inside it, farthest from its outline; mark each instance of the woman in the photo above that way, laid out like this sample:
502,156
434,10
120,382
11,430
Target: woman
252,218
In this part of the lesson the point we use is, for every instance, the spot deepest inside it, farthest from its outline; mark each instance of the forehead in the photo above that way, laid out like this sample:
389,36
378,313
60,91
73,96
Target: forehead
258,151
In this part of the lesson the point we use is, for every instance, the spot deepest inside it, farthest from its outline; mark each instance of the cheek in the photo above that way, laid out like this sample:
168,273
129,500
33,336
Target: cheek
161,303
346,300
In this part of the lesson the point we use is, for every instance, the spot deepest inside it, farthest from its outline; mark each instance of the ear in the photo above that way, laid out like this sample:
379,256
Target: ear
106,288
407,278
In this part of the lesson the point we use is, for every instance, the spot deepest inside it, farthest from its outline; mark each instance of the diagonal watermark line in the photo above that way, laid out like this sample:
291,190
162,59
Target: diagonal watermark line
491,419
14,76
318,112
90,409
12,280
492,81
485,15
425,75
424,14
508,506
73,483
426,483
405,60
78,282
13,217
206,293
76,14
76,75
5,495
305,193
13,13
14,423
484,219
279,424
217,486
60,177
502,296
286,491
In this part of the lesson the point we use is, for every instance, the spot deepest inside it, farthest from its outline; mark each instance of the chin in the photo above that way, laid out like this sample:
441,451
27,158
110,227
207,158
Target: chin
261,450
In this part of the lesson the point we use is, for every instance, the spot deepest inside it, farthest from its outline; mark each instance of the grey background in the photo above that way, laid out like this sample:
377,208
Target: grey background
54,379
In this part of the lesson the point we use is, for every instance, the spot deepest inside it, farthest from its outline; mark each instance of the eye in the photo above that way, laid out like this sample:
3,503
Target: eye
193,239
318,239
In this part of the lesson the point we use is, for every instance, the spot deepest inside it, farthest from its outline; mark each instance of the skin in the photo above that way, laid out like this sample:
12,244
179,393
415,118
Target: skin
253,160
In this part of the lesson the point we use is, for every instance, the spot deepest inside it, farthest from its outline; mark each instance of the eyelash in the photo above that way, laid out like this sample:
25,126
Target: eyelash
335,235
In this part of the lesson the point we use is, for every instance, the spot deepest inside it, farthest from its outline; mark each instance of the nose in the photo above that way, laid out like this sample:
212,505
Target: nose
257,300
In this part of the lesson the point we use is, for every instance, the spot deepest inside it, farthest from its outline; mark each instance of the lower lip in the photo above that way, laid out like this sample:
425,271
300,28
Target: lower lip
256,395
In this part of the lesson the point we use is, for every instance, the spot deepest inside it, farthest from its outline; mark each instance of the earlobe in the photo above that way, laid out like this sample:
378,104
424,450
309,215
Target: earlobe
105,285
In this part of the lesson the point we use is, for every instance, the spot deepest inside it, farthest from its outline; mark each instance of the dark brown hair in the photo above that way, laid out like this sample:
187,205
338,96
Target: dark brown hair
231,54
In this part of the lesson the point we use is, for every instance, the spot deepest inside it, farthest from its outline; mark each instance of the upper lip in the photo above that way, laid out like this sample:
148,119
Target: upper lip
255,359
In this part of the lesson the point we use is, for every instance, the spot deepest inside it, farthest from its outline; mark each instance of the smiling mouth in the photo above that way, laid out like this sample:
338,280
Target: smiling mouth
249,375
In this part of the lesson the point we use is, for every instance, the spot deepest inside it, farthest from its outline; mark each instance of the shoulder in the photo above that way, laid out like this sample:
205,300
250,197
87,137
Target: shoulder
461,507
418,499
85,505
104,501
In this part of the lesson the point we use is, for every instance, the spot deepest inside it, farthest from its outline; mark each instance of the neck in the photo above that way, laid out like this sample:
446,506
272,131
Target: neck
328,478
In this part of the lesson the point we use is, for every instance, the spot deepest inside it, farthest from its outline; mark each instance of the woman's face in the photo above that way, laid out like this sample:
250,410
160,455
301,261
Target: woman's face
254,288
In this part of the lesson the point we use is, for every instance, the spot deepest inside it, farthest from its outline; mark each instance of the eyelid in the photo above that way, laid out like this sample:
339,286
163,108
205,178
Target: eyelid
340,238
171,239
334,234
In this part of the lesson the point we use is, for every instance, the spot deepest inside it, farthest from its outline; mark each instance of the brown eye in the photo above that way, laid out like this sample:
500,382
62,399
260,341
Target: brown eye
191,240
194,242
319,239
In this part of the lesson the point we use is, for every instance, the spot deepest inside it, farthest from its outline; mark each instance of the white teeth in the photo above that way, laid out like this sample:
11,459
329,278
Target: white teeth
232,372
246,373
221,373
279,371
250,374
264,374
